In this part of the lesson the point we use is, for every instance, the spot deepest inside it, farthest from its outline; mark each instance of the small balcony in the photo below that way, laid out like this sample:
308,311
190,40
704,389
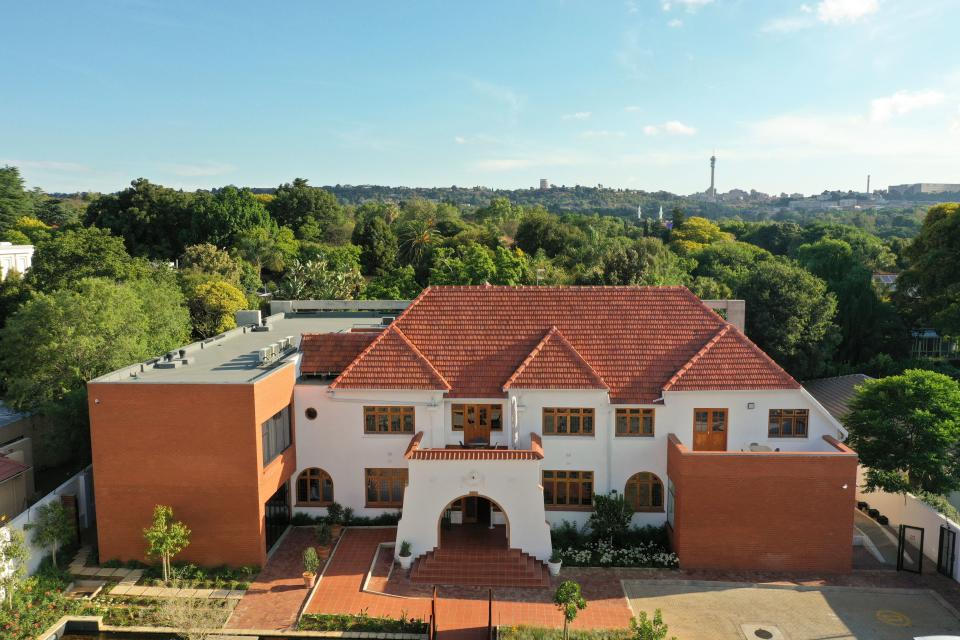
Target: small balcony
473,451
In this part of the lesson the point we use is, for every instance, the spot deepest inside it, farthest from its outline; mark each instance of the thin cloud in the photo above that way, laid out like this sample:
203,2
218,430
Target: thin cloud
527,162
632,108
504,95
676,23
677,128
579,115
690,6
460,140
828,12
903,102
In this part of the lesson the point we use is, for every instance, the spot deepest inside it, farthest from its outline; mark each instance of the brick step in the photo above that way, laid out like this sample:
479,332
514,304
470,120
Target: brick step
480,567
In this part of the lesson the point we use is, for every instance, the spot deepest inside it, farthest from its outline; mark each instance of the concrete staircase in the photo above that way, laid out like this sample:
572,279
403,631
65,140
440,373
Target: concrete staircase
480,567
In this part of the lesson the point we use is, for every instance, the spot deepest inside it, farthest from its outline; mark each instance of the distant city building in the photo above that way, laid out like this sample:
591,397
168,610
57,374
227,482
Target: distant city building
920,188
15,257
544,184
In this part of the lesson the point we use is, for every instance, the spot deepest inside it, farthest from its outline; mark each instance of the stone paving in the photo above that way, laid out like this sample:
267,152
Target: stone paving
128,578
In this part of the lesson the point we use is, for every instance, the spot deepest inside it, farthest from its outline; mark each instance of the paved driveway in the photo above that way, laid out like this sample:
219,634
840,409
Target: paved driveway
697,610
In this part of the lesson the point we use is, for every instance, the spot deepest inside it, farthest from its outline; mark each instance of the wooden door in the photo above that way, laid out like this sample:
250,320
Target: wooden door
469,507
709,429
476,423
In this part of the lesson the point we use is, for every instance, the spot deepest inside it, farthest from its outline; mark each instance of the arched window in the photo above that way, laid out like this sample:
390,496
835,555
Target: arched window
644,492
314,488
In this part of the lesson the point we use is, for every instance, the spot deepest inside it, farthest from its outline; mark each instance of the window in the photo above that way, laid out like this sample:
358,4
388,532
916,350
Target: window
671,501
644,492
788,423
385,487
568,490
314,488
481,415
567,422
388,420
275,433
635,422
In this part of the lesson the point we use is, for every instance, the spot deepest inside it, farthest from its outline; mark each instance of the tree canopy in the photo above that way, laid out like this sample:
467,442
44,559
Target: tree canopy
906,430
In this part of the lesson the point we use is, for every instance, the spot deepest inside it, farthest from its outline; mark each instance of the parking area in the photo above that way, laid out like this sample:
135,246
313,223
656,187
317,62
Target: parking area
704,610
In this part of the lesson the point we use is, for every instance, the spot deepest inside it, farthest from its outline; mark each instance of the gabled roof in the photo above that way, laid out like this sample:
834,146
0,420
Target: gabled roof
555,364
836,393
326,353
10,468
729,361
475,338
395,363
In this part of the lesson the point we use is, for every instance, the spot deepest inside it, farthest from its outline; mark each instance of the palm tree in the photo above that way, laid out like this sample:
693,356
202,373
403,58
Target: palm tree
417,238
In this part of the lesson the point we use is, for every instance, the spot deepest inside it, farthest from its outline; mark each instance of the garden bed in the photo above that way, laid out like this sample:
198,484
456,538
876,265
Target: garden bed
361,623
523,632
647,547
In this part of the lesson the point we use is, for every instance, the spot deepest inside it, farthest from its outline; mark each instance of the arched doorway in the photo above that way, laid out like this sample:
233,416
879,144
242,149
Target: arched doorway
473,521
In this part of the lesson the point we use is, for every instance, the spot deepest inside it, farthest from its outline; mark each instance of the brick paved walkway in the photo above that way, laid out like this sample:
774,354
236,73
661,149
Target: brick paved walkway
274,598
462,611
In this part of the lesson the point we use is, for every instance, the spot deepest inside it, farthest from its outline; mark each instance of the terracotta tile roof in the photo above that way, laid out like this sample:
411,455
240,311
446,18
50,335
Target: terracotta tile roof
634,338
396,364
325,353
414,452
555,364
9,468
730,361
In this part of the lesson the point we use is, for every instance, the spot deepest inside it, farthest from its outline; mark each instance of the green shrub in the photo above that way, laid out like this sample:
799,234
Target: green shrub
645,628
611,517
335,513
524,632
323,534
567,535
311,561
361,623
941,504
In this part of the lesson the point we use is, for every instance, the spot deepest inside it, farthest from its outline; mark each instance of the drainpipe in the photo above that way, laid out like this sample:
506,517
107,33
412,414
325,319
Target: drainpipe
611,429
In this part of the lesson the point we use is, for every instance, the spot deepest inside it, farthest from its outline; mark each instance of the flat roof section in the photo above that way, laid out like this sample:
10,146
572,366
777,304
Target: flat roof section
233,357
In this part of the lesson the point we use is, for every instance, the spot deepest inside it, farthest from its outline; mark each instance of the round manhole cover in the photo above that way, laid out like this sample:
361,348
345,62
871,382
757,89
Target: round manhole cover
763,633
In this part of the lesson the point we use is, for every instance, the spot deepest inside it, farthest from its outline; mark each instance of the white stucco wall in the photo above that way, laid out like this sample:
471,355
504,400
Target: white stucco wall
513,484
15,257
335,442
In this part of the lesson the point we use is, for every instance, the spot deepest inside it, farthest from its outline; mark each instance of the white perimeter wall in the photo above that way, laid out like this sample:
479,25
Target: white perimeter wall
909,510
336,443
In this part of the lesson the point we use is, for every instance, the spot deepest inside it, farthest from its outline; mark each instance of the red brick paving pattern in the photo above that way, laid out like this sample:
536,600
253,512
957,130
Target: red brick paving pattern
274,598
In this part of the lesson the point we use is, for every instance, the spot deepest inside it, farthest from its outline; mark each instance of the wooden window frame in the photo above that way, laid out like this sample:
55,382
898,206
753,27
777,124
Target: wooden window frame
381,475
461,407
627,413
645,482
552,479
389,412
319,475
782,416
580,414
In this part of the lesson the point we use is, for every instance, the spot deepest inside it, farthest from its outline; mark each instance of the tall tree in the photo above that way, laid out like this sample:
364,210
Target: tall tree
930,287
154,221
64,260
906,430
378,245
269,247
296,204
213,306
790,316
14,200
218,218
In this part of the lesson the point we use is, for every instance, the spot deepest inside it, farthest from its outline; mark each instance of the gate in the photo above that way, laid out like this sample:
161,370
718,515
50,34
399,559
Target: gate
947,551
910,549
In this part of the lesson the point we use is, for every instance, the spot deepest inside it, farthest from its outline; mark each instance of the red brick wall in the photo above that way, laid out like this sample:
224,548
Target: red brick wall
779,512
195,447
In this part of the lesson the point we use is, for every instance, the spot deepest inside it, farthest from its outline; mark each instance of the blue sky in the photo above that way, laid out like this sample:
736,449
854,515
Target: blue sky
792,96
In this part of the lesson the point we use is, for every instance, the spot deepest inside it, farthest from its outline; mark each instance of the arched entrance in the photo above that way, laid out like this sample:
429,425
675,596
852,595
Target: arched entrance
473,521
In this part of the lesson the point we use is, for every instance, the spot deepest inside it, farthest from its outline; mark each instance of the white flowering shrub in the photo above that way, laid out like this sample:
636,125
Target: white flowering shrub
605,554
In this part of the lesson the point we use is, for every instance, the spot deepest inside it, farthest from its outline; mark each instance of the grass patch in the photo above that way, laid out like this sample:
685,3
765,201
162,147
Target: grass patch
362,622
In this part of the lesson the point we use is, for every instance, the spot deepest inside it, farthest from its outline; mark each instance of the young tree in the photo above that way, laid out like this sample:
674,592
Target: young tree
166,537
570,601
13,559
52,528
646,629
906,430
213,305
